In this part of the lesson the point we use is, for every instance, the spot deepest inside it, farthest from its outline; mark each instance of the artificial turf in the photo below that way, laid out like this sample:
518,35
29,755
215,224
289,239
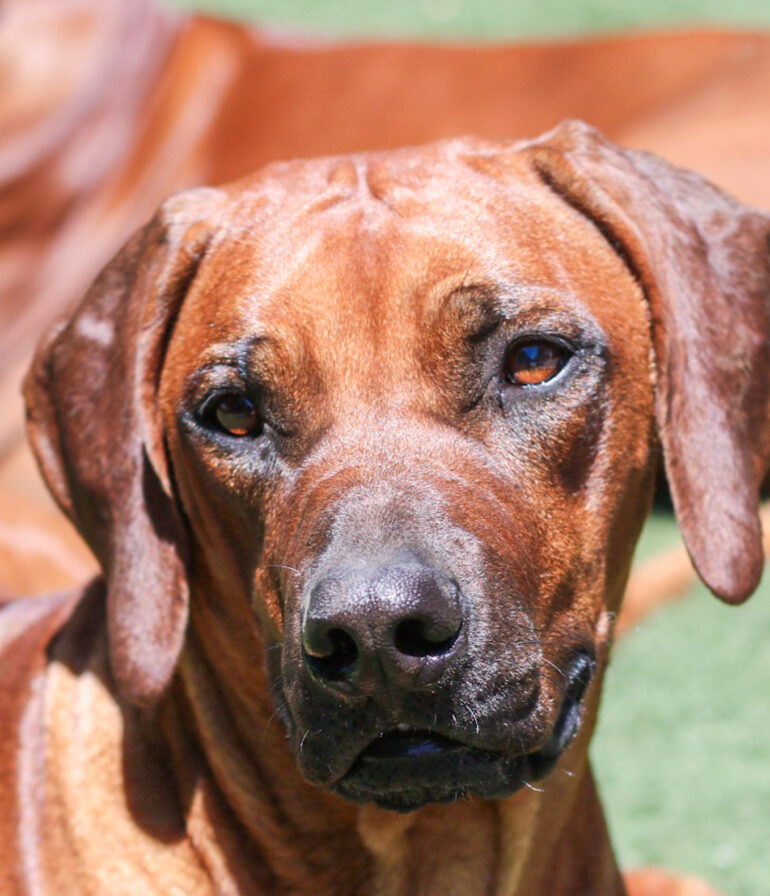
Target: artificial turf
682,752
487,19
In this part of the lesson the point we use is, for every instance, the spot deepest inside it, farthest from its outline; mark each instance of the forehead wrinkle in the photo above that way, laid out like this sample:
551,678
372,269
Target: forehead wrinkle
366,311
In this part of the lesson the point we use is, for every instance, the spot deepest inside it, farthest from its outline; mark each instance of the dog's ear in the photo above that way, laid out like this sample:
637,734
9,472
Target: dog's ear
95,427
703,262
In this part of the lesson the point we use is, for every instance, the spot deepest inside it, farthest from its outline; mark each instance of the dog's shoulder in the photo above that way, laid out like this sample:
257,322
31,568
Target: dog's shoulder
30,629
32,633
36,634
27,627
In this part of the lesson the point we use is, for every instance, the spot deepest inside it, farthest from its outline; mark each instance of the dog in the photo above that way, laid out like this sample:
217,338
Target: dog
363,445
207,101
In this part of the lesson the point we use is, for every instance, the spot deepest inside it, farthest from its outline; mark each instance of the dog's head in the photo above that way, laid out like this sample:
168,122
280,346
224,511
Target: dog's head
403,411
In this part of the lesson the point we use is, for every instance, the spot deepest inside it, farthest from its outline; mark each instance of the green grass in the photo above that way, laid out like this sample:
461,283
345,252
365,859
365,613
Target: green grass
489,19
682,751
683,746
660,533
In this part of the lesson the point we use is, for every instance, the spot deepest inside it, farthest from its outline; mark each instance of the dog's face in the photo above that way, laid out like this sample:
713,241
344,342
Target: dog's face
418,444
408,405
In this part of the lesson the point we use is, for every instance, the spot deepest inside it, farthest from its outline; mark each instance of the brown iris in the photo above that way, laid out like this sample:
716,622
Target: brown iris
534,361
236,414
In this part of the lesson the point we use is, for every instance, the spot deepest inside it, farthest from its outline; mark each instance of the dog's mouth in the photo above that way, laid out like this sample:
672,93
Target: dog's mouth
403,742
405,767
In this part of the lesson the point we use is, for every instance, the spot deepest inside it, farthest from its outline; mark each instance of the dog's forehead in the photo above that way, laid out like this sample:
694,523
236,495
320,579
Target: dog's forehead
343,246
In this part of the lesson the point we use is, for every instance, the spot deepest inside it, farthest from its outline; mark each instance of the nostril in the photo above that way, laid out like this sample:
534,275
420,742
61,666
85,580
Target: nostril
421,637
337,663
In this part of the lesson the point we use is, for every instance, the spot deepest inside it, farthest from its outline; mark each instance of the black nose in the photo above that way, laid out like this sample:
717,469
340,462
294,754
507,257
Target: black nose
396,623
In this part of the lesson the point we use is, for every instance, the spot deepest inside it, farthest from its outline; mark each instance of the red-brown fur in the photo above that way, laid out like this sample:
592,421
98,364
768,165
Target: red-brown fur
151,707
68,198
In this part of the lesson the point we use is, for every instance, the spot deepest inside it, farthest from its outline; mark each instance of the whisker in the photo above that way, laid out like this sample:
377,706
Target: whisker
267,725
554,666
532,786
280,566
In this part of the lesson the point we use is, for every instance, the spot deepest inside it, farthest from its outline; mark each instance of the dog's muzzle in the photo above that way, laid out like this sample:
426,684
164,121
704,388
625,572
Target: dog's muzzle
392,683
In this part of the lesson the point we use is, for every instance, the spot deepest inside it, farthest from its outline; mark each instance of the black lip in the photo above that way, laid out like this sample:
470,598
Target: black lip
405,744
567,724
403,769
429,770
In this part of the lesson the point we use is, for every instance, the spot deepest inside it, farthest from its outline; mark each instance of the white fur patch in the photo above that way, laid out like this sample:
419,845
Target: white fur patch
96,330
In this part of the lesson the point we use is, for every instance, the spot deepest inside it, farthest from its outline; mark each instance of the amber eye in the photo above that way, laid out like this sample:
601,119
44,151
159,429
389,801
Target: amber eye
236,414
534,361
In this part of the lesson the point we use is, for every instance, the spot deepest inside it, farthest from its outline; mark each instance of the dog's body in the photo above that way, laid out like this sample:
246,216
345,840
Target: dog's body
363,446
204,101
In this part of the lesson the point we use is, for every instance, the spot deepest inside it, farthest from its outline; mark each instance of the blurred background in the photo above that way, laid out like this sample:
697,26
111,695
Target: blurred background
682,752
683,747
488,19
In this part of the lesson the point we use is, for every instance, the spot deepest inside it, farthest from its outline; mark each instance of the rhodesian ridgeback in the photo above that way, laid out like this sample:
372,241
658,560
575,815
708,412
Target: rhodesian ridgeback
363,446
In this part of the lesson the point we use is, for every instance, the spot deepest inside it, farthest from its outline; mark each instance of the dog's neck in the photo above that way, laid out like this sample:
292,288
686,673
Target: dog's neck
238,776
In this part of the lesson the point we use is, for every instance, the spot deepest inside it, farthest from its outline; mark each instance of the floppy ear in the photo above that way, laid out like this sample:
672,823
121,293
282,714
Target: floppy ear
96,431
703,262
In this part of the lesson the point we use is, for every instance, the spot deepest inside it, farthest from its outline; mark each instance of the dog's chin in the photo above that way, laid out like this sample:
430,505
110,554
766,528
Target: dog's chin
405,768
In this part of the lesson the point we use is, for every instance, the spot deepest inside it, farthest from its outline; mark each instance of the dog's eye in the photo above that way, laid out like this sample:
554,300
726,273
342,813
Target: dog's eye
534,361
235,414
